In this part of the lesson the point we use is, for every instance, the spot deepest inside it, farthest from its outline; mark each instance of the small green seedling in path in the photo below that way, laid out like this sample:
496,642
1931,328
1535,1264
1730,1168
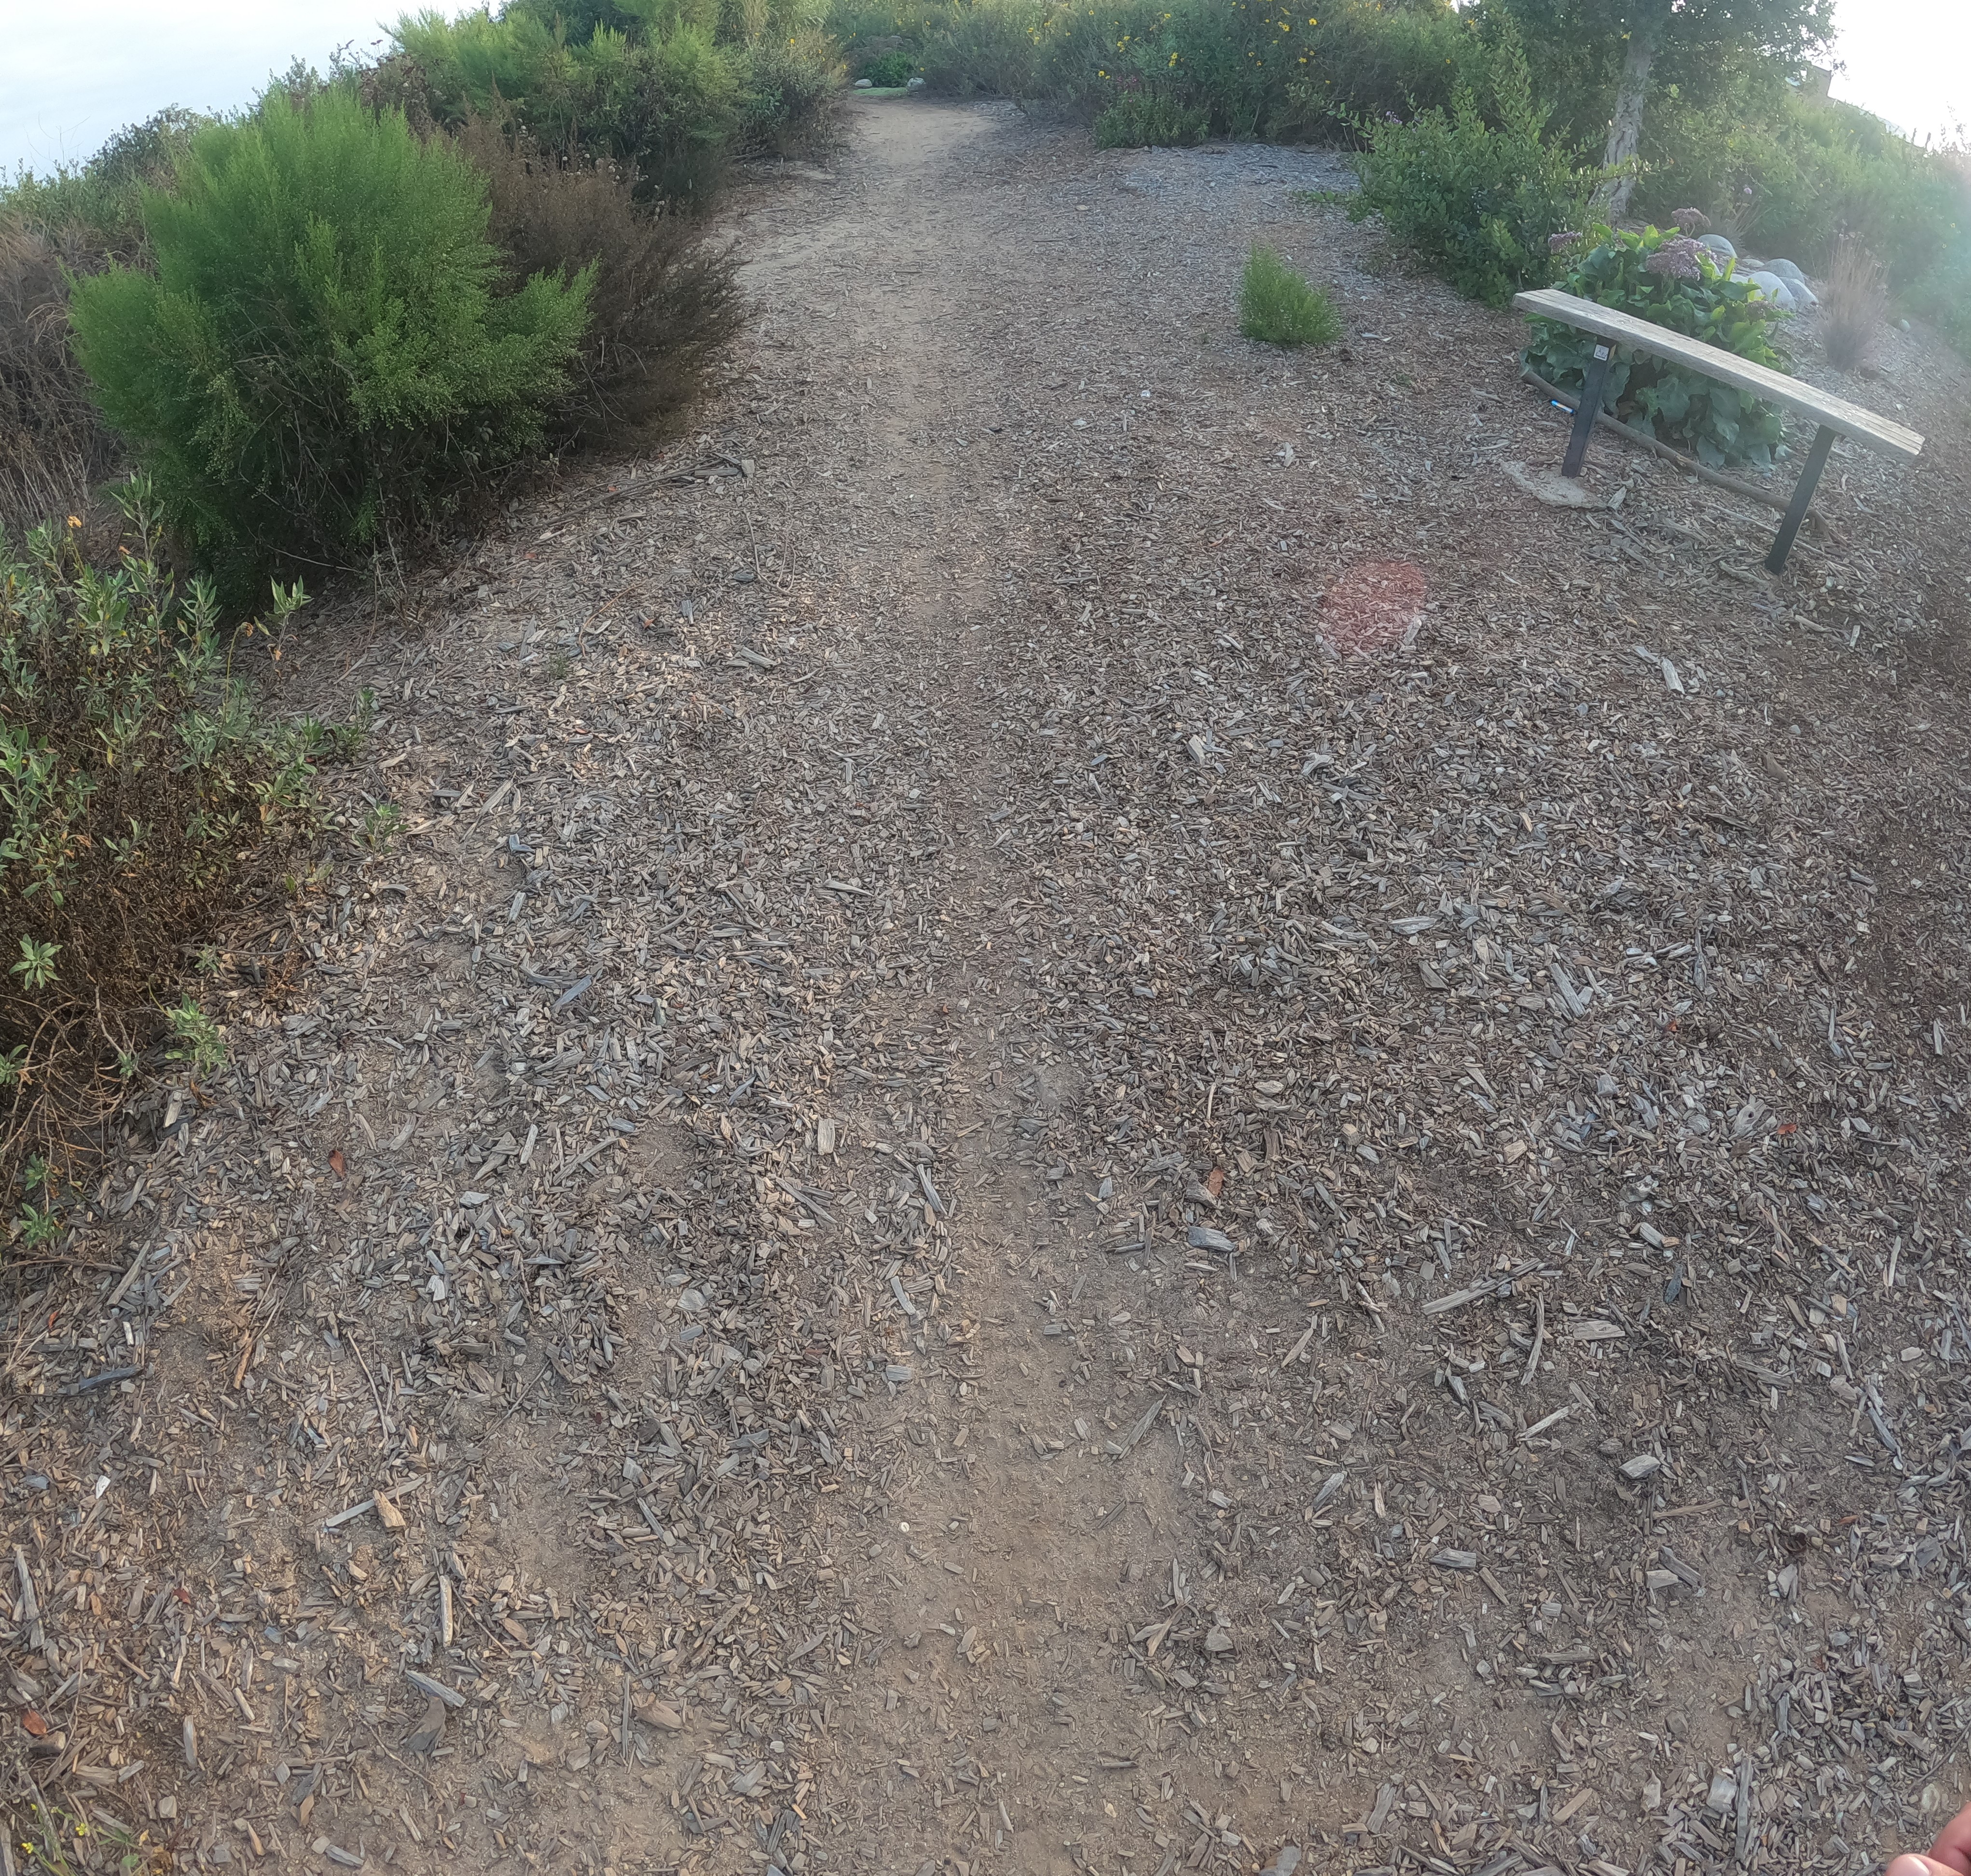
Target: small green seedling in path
1277,306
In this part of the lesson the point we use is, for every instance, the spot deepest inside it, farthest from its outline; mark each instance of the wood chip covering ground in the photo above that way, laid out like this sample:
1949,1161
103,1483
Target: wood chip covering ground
987,1187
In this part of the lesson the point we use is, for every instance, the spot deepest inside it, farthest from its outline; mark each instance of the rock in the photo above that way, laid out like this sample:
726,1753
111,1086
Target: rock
1551,487
915,84
1723,1792
1773,286
866,84
1902,325
1785,270
1285,1863
1719,244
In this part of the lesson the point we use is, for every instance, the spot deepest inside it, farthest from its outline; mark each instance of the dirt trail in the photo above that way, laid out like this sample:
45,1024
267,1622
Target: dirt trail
979,1201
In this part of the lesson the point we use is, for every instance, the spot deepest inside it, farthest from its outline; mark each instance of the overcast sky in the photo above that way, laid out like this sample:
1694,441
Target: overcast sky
77,72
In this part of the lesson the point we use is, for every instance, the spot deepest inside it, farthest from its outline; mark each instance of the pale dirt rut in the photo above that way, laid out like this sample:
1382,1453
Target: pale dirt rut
894,888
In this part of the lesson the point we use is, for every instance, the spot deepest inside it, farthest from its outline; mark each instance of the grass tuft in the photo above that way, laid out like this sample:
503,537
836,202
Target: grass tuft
1855,302
1278,308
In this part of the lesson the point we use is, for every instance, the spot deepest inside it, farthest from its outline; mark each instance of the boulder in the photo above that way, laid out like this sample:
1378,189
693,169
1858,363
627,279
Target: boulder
915,84
1718,246
866,84
1773,286
1785,269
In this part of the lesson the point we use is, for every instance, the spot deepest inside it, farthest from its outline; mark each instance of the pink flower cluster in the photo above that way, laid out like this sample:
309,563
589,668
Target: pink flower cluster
1676,259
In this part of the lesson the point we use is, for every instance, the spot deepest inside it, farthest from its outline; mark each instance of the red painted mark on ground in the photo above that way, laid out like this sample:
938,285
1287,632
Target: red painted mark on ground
1375,606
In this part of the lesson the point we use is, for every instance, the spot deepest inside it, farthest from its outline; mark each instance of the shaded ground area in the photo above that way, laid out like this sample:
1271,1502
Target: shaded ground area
973,1197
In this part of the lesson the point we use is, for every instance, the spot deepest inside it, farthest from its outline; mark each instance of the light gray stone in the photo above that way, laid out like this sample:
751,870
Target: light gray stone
1718,245
1785,269
1773,286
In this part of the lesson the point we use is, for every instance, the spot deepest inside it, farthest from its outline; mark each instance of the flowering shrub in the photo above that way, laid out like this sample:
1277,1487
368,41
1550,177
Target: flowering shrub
1671,280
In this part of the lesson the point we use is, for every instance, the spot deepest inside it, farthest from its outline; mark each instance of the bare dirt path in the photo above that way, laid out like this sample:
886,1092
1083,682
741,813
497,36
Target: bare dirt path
968,1195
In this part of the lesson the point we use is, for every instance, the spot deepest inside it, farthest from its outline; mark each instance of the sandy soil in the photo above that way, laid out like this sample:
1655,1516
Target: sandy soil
1100,1116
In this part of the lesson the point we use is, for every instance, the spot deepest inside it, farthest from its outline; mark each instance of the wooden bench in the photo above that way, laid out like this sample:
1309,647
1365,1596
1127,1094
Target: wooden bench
1835,415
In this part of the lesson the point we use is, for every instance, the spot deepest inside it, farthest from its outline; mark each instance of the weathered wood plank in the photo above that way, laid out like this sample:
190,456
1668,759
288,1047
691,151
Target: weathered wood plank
1833,413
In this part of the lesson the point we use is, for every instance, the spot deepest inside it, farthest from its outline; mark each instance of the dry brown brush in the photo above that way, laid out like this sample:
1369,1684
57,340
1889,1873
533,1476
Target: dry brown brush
666,302
54,446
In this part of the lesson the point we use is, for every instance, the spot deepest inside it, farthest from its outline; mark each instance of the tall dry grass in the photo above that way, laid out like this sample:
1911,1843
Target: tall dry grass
1854,303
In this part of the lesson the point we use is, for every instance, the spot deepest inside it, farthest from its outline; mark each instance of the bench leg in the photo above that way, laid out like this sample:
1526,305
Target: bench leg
1803,493
1587,409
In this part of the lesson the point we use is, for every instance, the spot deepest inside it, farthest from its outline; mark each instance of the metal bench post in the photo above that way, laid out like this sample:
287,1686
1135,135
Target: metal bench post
1587,409
1803,493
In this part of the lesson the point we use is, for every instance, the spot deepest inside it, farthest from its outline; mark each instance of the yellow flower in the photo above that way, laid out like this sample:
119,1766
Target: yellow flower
75,521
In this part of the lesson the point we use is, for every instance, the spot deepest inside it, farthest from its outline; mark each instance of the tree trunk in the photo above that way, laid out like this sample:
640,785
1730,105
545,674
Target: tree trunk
1625,132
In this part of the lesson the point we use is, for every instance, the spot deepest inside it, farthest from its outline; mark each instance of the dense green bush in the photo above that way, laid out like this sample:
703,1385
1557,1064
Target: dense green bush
1277,307
666,106
323,362
887,71
792,99
1135,120
137,786
1783,174
1477,194
1669,280
1943,296
670,91
1246,68
969,48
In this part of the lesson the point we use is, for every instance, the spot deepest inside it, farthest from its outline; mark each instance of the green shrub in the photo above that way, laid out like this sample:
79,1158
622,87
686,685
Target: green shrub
1478,200
1249,71
887,70
137,786
1366,63
1138,119
664,303
793,97
972,48
1784,175
100,202
1669,280
323,363
1277,306
669,91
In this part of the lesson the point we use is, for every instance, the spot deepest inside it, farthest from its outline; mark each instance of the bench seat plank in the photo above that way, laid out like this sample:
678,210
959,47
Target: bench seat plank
1831,413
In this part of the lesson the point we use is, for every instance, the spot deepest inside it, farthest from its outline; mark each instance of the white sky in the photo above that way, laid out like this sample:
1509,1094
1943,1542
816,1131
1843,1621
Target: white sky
77,72
1908,60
